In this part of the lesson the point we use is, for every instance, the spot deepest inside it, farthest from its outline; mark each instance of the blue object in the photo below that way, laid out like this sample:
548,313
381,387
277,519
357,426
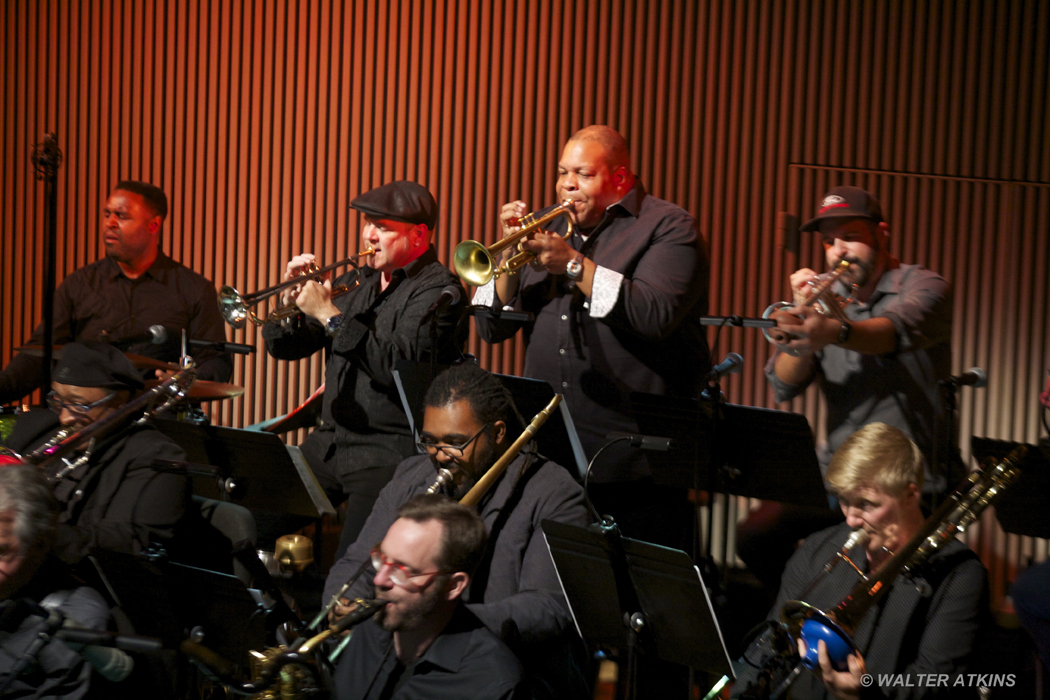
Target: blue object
838,643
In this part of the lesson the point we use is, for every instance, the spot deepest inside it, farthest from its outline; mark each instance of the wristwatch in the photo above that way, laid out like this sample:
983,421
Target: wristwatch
574,268
331,326
844,333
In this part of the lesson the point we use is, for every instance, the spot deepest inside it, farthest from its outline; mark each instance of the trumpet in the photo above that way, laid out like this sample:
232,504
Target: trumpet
236,307
476,264
820,297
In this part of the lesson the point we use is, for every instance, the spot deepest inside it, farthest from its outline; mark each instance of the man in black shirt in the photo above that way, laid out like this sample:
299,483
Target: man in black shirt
364,431
425,643
617,309
114,500
134,287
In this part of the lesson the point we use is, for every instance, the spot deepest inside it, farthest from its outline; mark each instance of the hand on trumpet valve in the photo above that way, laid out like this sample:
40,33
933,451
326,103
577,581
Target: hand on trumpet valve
295,269
552,252
510,223
800,284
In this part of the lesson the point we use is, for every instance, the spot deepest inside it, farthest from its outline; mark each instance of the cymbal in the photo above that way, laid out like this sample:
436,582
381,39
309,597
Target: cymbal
204,390
139,361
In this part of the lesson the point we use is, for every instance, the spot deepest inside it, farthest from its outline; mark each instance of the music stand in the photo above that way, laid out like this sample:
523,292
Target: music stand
1021,509
764,453
608,579
276,475
165,599
557,440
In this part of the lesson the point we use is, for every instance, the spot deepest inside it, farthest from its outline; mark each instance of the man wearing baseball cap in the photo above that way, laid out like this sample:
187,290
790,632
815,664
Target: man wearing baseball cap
115,500
364,432
883,363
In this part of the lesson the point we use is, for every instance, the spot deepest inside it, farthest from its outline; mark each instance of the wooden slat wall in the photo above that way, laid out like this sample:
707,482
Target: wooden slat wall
263,118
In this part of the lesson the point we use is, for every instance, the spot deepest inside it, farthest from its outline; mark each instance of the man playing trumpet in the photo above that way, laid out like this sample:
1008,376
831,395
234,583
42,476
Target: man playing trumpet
364,432
616,311
880,365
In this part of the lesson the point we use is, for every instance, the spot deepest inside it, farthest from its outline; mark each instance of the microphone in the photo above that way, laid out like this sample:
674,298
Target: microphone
449,295
730,365
645,442
239,348
975,377
156,334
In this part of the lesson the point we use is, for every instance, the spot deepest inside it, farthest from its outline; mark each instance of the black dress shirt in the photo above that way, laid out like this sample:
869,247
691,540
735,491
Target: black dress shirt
98,298
465,662
649,340
362,421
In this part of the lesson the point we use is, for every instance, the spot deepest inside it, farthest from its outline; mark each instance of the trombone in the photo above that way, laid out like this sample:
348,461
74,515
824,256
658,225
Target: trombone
236,308
476,264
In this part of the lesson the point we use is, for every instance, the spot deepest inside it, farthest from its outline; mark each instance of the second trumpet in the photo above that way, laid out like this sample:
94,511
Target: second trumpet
476,264
237,308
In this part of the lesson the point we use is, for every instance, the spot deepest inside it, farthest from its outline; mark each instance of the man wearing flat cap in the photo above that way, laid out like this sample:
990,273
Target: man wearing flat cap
364,432
115,500
883,363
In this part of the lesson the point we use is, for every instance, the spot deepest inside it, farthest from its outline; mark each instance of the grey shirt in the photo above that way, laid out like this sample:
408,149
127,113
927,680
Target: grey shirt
898,388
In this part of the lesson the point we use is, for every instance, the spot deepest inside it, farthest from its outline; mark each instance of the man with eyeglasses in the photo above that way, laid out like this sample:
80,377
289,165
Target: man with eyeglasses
425,642
113,501
515,590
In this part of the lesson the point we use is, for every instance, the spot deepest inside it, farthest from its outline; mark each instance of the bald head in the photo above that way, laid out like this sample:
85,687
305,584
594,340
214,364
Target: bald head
614,145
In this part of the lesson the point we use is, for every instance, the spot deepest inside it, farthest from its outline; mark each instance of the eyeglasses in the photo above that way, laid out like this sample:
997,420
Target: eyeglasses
453,451
56,404
399,573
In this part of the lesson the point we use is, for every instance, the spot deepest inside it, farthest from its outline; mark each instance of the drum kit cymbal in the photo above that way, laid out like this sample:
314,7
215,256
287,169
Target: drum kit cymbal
201,390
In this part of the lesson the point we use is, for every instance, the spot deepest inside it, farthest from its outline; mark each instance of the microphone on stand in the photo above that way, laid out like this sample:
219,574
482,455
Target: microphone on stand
155,334
731,365
975,377
449,295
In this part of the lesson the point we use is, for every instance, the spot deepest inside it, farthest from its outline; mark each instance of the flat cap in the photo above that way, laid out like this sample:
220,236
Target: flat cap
400,200
96,364
845,202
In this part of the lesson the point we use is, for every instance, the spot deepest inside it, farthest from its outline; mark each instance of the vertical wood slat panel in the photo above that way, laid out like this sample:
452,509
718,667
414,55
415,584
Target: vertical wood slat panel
263,119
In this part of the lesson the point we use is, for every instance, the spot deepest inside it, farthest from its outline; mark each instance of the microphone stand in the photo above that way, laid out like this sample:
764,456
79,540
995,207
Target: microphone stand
47,157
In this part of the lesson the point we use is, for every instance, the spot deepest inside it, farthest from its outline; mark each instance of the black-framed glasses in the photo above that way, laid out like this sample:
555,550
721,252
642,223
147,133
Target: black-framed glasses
453,451
56,404
399,573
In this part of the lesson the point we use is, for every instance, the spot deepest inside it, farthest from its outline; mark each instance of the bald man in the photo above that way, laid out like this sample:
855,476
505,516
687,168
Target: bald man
616,311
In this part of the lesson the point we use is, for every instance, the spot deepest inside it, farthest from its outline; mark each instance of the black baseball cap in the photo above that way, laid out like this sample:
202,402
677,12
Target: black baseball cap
400,200
96,365
845,202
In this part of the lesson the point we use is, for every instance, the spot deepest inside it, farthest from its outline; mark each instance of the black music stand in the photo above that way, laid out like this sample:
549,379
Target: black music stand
764,453
557,440
1021,509
276,476
624,593
163,599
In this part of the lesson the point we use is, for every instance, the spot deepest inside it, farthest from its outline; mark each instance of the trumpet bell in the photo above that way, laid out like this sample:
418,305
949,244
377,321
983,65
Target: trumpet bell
232,307
474,263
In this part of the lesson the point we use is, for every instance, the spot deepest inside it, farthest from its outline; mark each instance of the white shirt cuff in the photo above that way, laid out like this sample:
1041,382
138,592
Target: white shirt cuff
605,291
485,295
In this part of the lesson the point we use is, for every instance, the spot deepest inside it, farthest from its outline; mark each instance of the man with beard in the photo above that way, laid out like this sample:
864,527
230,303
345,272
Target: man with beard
136,286
882,365
424,643
515,591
